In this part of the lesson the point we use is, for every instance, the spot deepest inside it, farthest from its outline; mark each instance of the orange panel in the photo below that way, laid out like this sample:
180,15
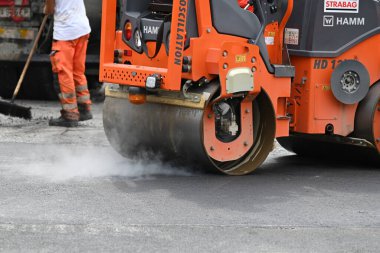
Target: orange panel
221,151
315,105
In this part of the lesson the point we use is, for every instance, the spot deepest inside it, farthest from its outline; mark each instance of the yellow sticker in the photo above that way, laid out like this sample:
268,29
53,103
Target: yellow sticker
23,33
326,88
241,58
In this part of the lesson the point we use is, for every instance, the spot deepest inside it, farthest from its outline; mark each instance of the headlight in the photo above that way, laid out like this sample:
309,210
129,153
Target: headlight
153,82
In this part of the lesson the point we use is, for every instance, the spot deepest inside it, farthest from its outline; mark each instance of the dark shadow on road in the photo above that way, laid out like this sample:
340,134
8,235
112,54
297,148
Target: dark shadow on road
279,180
321,163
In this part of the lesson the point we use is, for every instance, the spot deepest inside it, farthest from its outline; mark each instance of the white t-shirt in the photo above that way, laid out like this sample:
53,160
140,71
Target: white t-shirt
70,20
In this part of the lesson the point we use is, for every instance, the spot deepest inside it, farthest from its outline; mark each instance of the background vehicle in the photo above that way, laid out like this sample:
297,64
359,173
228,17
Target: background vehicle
211,85
19,23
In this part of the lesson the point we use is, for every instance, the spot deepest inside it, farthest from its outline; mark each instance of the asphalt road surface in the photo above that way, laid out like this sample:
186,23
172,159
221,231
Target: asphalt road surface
67,191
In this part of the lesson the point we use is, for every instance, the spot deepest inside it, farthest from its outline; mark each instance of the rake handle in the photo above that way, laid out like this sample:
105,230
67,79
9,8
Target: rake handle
26,67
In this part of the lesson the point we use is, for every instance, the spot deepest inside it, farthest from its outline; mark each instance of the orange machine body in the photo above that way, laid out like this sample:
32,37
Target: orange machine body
275,73
313,105
212,55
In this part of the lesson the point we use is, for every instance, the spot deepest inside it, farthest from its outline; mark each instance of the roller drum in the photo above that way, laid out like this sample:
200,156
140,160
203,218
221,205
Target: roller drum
176,134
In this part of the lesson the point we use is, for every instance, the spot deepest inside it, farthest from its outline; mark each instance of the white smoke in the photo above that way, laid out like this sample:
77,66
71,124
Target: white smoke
61,155
66,163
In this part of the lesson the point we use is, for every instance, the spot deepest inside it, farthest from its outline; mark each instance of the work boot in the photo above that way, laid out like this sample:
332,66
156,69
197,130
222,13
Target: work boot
84,112
67,119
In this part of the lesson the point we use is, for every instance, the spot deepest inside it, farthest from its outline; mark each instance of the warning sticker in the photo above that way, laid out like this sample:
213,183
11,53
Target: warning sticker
292,36
269,41
342,6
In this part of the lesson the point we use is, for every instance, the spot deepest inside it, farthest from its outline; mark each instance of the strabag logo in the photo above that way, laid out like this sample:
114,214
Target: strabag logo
342,6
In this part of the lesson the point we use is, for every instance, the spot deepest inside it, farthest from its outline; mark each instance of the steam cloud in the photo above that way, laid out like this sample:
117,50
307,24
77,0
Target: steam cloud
64,163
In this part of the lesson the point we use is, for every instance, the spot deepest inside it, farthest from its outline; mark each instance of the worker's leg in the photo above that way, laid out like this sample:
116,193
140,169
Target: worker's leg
62,62
81,86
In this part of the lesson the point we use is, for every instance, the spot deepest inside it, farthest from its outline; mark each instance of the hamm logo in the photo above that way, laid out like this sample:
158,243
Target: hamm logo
328,21
151,30
342,6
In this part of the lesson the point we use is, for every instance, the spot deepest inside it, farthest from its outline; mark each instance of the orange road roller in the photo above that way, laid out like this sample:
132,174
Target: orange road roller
211,85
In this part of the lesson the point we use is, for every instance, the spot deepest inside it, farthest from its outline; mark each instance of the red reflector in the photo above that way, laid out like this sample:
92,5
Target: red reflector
128,30
128,53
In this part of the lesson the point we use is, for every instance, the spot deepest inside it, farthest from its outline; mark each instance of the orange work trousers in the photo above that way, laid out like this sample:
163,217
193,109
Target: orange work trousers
68,60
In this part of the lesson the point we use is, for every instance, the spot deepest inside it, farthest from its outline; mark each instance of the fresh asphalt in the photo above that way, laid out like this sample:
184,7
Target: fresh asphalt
68,191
